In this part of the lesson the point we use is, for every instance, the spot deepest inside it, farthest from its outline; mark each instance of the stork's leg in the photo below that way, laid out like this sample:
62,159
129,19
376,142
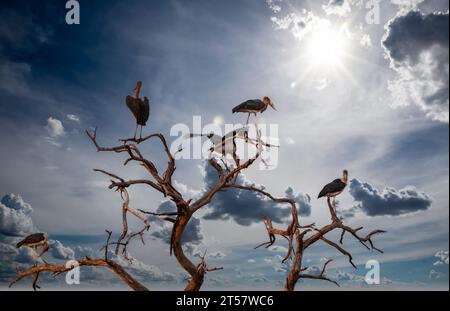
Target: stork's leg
140,137
248,119
34,256
258,134
135,131
225,164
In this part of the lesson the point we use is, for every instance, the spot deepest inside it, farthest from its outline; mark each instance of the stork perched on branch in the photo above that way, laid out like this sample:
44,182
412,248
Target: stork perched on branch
140,108
226,145
335,188
254,106
34,241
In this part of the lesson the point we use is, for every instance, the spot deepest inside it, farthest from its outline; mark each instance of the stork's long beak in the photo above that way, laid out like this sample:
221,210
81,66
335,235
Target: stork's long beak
137,89
273,106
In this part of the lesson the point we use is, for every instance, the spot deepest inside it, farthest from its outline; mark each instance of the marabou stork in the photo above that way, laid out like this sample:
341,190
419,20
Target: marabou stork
335,188
254,106
35,240
140,108
224,144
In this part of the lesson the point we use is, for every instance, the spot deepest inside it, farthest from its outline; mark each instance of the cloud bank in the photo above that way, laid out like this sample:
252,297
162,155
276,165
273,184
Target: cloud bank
248,207
390,201
417,47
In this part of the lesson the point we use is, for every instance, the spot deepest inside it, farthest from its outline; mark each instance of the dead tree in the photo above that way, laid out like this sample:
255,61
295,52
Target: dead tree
302,237
185,209
163,183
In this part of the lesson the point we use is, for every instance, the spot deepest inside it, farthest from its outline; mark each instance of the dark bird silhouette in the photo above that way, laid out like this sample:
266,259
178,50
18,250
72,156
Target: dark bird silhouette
335,188
140,108
34,241
254,106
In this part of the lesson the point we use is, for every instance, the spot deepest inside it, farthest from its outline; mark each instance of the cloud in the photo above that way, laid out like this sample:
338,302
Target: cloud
251,261
59,251
15,222
417,48
143,271
338,7
25,256
248,207
289,141
389,201
74,118
185,190
407,5
342,276
322,84
192,233
299,24
443,258
313,270
366,41
278,249
54,127
55,131
303,201
274,6
217,255
15,216
435,275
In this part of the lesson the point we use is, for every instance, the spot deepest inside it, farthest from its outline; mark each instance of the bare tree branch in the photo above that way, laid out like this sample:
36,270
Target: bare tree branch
321,276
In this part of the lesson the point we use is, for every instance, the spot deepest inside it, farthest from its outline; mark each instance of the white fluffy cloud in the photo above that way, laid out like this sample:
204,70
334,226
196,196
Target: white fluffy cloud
15,216
54,127
338,7
59,251
443,258
74,118
143,271
407,4
299,24
417,48
366,41
274,5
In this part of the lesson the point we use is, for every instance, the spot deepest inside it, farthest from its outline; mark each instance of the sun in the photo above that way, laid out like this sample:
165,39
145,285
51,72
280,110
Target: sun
326,47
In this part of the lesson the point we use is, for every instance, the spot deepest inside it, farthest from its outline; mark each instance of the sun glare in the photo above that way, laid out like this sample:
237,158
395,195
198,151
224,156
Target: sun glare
326,47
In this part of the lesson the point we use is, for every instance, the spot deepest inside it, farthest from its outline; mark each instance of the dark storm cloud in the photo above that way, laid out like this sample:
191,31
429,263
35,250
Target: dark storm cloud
303,201
411,34
248,207
389,201
417,47
192,233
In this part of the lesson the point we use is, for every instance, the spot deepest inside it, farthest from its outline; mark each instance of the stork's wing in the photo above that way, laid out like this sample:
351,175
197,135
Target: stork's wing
145,110
240,132
253,104
133,105
215,139
333,187
32,239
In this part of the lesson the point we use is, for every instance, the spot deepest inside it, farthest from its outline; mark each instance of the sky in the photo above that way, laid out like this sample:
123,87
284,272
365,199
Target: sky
355,87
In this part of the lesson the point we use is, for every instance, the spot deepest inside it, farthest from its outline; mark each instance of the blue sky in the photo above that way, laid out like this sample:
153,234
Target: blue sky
378,107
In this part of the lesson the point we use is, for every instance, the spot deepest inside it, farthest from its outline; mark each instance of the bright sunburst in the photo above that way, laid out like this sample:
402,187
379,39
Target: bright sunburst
326,47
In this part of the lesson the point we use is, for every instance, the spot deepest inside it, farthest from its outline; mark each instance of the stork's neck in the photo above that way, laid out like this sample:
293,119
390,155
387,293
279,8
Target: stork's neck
265,108
344,179
137,90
